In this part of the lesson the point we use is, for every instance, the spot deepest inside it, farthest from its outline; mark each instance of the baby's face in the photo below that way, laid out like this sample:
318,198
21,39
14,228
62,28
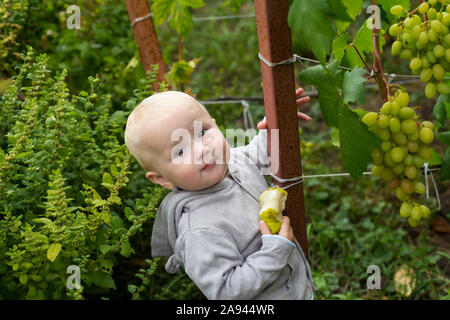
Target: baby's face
192,153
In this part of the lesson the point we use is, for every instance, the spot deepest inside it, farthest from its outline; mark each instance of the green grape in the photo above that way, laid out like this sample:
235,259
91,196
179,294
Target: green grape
423,8
432,2
395,108
403,98
443,88
438,51
394,30
447,40
399,138
406,113
425,153
418,162
408,160
416,213
405,209
426,75
423,38
412,146
446,19
432,36
447,54
388,159
425,211
407,186
438,72
419,187
411,172
377,156
408,23
405,54
383,121
383,133
425,62
431,14
394,125
430,56
370,118
427,124
386,146
377,171
401,195
436,26
397,154
408,126
426,135
398,169
397,10
413,136
413,223
430,90
387,174
415,32
386,108
396,47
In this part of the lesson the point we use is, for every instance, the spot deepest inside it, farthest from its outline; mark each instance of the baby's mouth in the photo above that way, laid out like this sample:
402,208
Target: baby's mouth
209,165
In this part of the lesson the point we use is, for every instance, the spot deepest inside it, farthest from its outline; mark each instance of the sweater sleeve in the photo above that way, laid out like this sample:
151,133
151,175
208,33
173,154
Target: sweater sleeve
257,152
212,260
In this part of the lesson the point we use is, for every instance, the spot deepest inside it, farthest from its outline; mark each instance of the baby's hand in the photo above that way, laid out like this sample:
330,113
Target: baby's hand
299,102
285,230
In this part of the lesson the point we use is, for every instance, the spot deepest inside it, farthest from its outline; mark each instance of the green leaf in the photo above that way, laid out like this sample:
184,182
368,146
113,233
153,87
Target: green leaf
311,26
339,45
103,280
125,249
439,111
43,220
353,88
354,8
339,11
357,142
445,168
445,137
53,251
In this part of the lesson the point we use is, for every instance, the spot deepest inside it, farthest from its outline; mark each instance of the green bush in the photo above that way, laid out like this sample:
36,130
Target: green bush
66,197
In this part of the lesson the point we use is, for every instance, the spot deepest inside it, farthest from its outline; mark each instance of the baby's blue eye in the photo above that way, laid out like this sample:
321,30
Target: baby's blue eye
202,133
179,153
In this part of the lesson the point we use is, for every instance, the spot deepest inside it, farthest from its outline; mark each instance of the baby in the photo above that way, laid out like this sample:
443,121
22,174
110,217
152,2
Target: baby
209,223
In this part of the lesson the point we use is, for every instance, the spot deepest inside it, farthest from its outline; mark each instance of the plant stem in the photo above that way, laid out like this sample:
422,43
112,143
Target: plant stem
362,59
383,85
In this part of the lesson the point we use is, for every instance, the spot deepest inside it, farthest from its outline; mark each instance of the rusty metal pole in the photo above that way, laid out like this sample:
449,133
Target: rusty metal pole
275,45
146,38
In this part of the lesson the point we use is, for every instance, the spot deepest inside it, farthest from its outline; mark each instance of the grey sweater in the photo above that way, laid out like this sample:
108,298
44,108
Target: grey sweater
214,235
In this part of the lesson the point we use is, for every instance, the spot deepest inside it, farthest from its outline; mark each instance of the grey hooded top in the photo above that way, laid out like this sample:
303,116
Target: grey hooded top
214,235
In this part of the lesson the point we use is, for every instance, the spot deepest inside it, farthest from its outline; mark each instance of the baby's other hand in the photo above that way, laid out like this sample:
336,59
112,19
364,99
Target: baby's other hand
299,102
285,230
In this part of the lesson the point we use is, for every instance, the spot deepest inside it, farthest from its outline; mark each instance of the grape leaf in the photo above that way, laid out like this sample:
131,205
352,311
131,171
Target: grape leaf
445,168
338,10
355,139
439,111
445,138
354,8
312,27
103,280
339,45
353,89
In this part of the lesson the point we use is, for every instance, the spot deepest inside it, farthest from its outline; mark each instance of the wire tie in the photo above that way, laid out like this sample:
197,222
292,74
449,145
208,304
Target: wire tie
141,18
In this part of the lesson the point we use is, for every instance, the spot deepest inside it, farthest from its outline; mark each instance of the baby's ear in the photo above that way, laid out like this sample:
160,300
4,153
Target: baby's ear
156,178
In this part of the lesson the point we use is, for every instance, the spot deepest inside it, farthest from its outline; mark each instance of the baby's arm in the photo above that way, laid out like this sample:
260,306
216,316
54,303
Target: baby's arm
212,260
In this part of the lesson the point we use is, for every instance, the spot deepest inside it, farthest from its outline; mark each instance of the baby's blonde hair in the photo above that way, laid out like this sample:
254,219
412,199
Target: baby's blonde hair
156,107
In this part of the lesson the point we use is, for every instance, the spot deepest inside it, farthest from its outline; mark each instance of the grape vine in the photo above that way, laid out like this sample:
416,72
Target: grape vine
394,140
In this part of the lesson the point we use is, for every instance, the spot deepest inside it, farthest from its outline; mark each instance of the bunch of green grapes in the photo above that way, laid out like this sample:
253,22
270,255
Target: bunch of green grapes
424,39
402,153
